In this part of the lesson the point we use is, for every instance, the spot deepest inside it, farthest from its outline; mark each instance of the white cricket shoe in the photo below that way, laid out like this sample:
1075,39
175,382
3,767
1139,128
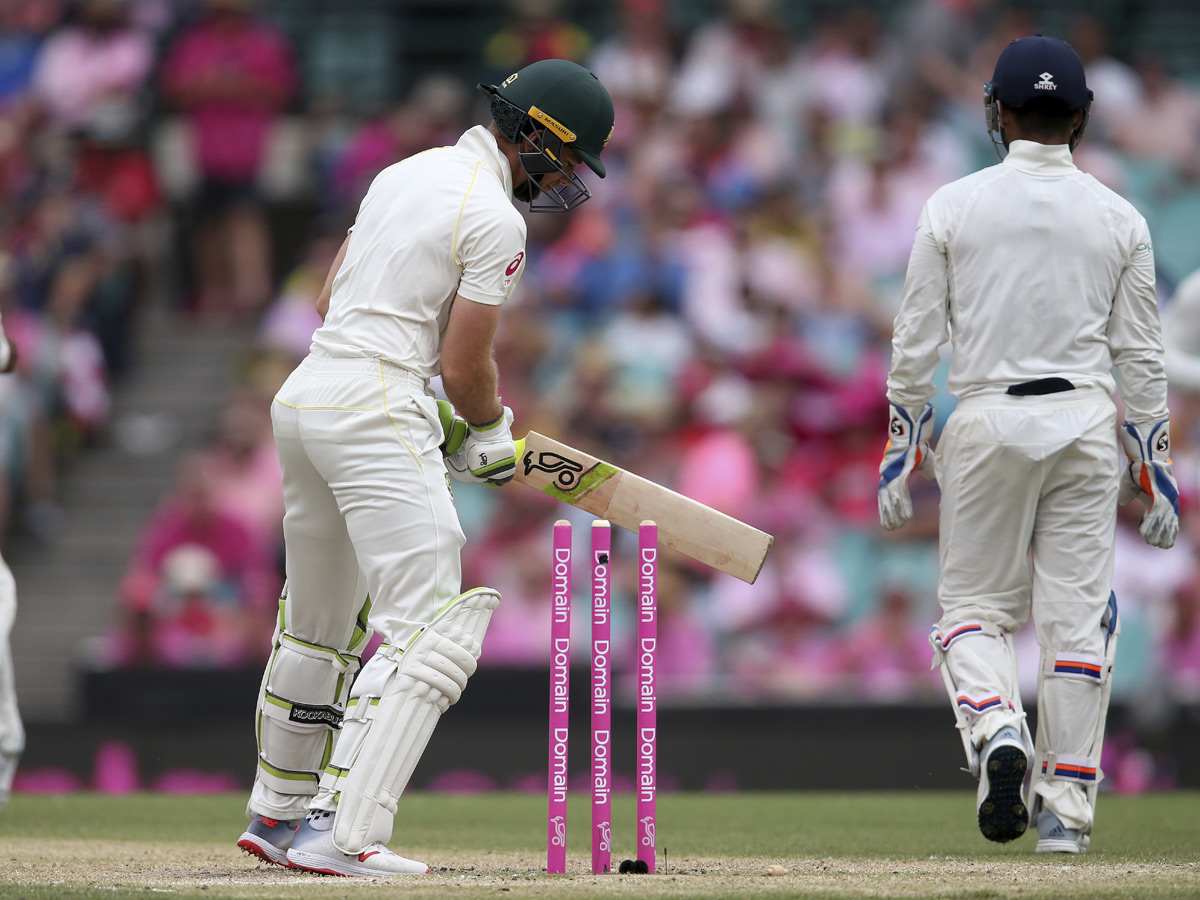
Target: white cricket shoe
313,851
268,839
1054,837
1003,815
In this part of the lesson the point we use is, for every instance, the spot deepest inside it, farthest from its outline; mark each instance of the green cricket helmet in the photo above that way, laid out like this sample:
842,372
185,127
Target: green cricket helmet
549,105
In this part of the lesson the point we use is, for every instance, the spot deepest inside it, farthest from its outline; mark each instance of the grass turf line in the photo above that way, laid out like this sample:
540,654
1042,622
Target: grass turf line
716,845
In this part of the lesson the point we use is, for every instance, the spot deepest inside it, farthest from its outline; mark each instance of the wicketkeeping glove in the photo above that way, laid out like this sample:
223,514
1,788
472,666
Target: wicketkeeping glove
488,454
454,428
907,451
1148,447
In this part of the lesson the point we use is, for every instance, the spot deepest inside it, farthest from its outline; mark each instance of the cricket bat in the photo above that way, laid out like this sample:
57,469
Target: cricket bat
625,499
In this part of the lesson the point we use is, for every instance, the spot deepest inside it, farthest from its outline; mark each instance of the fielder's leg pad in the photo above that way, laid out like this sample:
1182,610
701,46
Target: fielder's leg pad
978,664
1074,689
426,677
1003,815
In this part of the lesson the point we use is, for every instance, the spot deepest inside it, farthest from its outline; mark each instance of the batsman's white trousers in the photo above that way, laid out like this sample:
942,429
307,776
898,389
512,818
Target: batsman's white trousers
12,734
1028,515
368,505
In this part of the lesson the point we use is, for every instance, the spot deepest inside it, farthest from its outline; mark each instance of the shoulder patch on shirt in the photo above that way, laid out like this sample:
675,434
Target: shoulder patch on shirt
1144,247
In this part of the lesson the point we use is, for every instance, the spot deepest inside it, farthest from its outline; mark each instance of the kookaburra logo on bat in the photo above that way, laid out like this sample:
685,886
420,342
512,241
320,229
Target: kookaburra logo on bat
565,471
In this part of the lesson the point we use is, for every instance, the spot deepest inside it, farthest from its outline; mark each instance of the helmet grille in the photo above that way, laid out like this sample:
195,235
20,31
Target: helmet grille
509,118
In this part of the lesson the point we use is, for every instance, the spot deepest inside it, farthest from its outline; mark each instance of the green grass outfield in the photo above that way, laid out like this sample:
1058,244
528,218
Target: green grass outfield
86,846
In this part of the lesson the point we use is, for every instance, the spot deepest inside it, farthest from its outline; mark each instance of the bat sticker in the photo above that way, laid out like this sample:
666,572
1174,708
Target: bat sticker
571,481
565,471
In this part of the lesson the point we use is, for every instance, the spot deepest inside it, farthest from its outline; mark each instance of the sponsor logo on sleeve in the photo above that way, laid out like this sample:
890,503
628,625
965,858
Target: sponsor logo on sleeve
513,267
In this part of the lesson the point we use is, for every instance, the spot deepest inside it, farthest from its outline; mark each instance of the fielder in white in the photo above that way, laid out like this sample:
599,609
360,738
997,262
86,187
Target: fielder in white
371,533
1043,280
12,733
1181,335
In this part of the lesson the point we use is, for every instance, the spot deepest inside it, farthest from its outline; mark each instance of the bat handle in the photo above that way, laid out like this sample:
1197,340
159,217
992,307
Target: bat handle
519,448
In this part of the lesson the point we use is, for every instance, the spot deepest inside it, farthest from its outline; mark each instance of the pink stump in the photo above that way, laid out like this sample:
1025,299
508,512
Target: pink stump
601,700
647,698
560,699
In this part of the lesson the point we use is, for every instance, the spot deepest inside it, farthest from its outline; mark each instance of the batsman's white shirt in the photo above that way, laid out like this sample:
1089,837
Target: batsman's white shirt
356,426
434,225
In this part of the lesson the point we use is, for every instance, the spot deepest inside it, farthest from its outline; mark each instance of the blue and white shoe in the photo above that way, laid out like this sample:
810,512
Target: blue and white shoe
268,839
313,850
1054,837
1003,815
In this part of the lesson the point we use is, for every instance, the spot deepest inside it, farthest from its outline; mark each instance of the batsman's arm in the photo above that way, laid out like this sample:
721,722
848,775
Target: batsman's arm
327,288
469,374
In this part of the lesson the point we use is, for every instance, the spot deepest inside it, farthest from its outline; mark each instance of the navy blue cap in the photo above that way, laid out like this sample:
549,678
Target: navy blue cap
1040,67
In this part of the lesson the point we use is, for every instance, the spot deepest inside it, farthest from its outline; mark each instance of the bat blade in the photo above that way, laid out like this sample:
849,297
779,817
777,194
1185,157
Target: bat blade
625,499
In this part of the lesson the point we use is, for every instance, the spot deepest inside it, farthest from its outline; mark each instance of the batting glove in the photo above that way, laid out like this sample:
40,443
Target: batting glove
1148,448
488,454
454,428
907,451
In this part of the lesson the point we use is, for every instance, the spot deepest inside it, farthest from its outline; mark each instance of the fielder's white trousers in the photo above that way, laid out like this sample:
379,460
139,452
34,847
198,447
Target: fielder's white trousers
12,734
1028,515
368,511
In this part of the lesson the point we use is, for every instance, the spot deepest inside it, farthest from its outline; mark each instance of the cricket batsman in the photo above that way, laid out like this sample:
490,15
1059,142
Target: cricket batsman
371,534
1042,279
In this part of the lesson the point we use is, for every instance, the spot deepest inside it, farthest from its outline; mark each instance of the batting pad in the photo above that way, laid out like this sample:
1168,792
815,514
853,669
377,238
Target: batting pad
300,709
388,733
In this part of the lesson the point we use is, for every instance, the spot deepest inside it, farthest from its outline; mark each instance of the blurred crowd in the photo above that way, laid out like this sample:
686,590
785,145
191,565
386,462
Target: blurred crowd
717,318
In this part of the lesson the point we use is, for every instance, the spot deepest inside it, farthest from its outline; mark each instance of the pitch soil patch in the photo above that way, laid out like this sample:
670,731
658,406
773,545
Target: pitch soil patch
122,868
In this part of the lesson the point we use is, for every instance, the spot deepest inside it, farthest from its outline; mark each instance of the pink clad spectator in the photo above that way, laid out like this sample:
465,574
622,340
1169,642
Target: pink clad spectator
289,323
846,70
94,70
200,589
232,75
1181,647
636,64
874,204
519,634
885,656
243,469
190,515
1106,75
730,57
1165,125
687,645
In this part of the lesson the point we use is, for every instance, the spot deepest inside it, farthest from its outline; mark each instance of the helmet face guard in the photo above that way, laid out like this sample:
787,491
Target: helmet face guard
992,114
539,140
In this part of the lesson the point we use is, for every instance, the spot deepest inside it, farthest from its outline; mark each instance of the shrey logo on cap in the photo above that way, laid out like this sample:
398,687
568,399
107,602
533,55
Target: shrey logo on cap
1046,84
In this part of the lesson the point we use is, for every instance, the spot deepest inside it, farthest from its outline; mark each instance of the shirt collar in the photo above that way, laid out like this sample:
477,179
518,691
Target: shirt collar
1040,159
481,142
